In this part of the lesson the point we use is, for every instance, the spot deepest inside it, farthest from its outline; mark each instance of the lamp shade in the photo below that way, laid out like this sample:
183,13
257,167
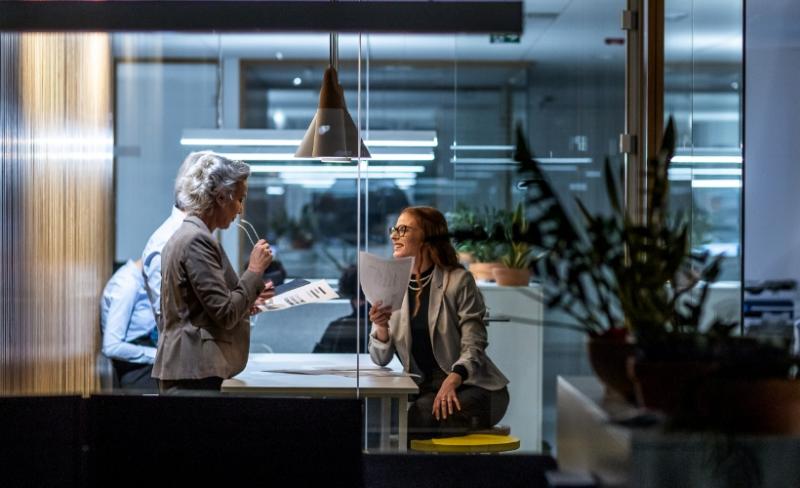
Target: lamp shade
332,133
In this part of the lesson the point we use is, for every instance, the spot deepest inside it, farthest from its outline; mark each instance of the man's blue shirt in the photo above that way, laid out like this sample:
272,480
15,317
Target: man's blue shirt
126,317
151,257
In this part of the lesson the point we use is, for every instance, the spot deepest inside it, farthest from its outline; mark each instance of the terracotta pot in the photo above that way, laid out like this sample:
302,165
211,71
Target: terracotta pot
609,359
754,406
483,271
511,276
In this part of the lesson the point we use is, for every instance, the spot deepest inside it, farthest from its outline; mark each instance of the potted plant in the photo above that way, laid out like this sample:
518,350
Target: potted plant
638,287
483,237
515,271
516,262
462,217
612,275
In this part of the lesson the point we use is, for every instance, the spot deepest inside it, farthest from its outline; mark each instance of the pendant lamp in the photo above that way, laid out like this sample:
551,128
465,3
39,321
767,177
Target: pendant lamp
332,135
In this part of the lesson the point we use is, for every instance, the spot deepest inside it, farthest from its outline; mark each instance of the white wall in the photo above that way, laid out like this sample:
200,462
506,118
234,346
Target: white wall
154,103
772,125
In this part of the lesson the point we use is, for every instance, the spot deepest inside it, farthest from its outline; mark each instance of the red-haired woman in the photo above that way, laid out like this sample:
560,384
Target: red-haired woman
439,334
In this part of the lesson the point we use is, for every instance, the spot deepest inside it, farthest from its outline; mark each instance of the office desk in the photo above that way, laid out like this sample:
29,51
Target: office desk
329,375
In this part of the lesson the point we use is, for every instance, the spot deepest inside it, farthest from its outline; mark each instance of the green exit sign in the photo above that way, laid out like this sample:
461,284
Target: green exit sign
504,38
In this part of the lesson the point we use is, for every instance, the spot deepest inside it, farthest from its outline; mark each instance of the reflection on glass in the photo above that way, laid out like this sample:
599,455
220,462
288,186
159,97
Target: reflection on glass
564,84
703,80
438,114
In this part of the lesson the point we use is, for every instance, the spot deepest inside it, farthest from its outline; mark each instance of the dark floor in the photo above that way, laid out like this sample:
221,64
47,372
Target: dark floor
456,471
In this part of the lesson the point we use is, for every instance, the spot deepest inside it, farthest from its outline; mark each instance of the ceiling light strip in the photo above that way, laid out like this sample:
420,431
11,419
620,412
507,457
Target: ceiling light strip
345,176
508,161
290,157
317,169
288,138
456,147
707,159
716,183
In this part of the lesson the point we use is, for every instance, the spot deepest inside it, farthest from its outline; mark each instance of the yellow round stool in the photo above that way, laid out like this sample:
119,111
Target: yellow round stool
468,444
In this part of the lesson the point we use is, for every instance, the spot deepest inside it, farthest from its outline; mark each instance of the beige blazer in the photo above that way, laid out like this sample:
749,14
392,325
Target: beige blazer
458,334
205,307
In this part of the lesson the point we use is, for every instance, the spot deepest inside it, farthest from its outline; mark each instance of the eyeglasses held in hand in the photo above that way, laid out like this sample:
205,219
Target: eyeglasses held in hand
254,238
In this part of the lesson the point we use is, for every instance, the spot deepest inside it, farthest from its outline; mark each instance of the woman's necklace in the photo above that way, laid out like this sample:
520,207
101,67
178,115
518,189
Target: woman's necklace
415,285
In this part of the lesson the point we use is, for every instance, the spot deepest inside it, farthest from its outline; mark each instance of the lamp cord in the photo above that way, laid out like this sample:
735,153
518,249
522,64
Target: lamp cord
219,81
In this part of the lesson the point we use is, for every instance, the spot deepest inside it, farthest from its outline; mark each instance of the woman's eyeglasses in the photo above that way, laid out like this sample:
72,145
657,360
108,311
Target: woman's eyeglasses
252,238
400,229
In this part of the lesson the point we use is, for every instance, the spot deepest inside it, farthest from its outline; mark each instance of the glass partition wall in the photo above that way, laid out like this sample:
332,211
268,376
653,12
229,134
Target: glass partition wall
703,89
438,114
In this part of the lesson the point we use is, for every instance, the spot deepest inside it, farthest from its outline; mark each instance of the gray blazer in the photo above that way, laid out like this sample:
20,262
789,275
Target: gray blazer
205,308
458,334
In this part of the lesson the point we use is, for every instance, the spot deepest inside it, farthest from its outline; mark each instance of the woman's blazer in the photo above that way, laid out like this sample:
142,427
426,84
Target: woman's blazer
205,307
458,333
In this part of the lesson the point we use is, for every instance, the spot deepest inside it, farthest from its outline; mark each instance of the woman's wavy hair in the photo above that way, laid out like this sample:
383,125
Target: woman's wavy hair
209,176
435,241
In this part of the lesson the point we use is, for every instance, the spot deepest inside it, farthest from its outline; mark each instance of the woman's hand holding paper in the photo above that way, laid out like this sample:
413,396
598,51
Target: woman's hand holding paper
379,316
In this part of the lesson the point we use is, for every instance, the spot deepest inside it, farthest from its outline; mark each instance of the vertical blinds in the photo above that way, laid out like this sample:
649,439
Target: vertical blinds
56,208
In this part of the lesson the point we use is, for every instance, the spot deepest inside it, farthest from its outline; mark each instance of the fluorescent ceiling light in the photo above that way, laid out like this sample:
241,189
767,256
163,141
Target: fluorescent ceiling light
388,143
264,157
456,147
317,169
716,183
498,168
290,157
401,138
509,161
705,172
707,159
402,157
345,176
290,138
675,176
210,141
715,116
498,161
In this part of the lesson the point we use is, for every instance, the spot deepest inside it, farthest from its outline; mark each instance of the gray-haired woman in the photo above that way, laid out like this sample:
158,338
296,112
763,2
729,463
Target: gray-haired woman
205,306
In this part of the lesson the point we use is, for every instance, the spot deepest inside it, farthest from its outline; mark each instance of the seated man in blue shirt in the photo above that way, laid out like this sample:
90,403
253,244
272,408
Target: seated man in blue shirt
129,328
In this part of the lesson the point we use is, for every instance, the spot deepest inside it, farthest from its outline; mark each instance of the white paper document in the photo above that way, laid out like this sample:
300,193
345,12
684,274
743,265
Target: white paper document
346,372
316,291
385,279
